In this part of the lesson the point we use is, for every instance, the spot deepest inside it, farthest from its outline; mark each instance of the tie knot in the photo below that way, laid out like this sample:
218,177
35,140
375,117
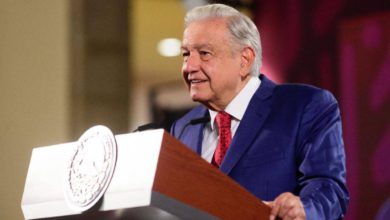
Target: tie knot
223,120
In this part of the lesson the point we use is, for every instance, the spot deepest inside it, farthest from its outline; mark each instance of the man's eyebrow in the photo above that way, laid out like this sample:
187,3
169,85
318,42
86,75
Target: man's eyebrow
197,46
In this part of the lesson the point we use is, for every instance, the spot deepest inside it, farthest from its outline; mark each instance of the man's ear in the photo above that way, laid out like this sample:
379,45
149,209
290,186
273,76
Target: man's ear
247,58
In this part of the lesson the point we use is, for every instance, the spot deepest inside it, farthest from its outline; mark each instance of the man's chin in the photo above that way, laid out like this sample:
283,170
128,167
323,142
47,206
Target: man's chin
201,100
196,99
205,102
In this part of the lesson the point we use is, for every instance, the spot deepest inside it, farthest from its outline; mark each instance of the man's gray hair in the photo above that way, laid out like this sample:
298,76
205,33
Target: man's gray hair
242,28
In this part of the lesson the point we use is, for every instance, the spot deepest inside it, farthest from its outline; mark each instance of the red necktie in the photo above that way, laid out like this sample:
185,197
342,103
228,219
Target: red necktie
223,120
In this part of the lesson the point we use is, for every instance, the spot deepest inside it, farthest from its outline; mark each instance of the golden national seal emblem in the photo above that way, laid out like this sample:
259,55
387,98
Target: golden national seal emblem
91,168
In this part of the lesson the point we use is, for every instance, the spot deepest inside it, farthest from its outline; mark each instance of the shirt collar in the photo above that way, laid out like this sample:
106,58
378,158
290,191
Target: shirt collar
237,107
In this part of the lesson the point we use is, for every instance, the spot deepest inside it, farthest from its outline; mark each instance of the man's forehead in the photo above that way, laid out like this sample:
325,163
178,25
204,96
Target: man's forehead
204,39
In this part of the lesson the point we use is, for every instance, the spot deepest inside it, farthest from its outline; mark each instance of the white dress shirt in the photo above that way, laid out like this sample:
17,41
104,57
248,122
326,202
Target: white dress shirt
236,108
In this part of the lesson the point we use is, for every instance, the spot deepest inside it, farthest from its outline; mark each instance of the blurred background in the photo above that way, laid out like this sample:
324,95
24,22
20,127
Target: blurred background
66,65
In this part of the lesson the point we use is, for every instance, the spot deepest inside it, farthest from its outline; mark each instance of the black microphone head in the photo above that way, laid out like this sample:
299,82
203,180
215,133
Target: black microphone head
195,121
147,127
202,120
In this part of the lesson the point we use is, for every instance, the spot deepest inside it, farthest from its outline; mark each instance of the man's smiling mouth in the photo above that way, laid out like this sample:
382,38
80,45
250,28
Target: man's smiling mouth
196,81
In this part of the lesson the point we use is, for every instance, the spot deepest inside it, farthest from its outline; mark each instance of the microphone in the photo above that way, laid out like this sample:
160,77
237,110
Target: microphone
147,127
195,121
201,120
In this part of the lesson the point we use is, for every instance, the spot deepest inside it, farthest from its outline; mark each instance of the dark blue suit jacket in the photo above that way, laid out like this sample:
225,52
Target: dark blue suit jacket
289,140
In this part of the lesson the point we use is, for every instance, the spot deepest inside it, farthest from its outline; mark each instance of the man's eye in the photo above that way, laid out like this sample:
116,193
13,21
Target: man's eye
186,54
205,55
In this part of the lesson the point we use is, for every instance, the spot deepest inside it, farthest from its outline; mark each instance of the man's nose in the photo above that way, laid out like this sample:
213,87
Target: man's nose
191,64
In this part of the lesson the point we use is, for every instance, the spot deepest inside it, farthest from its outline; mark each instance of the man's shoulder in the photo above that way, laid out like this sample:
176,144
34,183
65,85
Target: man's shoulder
304,92
298,88
291,91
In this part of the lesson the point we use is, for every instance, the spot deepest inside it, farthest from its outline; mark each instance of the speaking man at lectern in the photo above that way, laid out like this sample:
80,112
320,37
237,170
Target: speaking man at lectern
283,143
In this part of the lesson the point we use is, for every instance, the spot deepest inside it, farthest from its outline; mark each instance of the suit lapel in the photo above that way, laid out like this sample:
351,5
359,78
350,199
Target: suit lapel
251,124
195,137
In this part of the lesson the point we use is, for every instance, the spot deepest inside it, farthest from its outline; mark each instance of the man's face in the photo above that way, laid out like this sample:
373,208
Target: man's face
212,65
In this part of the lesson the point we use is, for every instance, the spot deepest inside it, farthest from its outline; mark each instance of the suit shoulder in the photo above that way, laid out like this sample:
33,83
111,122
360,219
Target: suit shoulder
304,92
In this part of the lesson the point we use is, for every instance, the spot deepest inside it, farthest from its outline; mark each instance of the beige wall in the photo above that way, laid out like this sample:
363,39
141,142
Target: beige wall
35,86
33,89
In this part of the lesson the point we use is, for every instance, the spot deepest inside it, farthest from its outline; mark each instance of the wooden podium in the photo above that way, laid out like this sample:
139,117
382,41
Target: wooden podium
156,177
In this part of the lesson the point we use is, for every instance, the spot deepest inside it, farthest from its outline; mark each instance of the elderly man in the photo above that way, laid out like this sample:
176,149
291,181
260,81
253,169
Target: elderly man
283,143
